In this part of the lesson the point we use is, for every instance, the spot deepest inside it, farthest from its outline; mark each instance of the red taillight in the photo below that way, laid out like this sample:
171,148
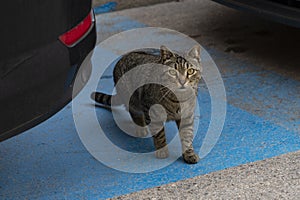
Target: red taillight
74,35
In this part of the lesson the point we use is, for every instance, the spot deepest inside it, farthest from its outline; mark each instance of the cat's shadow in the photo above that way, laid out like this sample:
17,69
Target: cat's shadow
116,135
124,138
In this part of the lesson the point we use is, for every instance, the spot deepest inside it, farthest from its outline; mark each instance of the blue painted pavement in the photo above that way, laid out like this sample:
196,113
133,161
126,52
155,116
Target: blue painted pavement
107,7
50,162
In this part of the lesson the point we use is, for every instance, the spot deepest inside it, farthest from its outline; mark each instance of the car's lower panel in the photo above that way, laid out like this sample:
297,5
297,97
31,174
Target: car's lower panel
42,83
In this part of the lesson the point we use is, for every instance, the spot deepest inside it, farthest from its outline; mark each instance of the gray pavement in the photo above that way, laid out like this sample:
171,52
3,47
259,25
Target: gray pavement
262,42
254,40
275,178
121,4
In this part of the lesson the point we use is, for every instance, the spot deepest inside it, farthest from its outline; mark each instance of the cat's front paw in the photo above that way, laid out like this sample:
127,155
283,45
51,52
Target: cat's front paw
162,153
191,158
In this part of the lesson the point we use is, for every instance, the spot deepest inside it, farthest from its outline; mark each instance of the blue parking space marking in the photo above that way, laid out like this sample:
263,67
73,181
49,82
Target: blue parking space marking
115,24
50,162
107,7
262,92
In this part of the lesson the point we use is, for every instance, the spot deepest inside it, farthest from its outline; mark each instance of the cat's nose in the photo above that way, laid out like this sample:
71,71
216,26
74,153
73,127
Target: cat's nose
181,79
182,82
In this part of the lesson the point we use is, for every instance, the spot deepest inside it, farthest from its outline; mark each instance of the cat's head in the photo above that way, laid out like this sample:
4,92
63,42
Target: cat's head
183,71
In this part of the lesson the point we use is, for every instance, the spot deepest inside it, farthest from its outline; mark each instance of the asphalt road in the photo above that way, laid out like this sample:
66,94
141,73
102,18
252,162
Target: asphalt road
121,5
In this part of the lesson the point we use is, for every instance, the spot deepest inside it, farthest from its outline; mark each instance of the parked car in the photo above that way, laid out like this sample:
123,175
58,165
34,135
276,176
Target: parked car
43,46
283,11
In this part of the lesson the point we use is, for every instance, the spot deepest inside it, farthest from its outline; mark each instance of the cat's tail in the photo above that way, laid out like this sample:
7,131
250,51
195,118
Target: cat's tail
101,98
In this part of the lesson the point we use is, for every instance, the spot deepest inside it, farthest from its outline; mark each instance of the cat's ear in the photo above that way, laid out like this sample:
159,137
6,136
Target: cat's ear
195,53
165,53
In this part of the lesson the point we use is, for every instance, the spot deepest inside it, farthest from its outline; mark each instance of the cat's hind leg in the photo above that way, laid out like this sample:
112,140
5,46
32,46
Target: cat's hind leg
141,129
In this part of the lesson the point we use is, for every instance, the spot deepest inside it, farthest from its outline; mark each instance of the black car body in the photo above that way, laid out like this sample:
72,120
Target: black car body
43,46
283,11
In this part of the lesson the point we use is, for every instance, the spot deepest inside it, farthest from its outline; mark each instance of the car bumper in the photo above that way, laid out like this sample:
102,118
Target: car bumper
279,12
41,83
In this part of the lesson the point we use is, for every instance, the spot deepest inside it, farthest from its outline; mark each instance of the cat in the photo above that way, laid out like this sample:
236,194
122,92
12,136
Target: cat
181,76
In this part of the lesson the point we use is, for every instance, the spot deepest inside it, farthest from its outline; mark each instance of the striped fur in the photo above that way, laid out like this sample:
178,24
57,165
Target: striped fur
101,98
184,72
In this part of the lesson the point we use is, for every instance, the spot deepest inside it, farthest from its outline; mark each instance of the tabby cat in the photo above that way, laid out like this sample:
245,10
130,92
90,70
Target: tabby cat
177,95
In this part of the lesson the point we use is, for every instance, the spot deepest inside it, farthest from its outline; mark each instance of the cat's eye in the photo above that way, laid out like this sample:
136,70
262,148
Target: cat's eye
172,72
191,71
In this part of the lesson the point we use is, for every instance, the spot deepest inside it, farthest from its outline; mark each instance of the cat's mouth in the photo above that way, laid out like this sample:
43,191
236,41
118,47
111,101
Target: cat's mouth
184,88
184,93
